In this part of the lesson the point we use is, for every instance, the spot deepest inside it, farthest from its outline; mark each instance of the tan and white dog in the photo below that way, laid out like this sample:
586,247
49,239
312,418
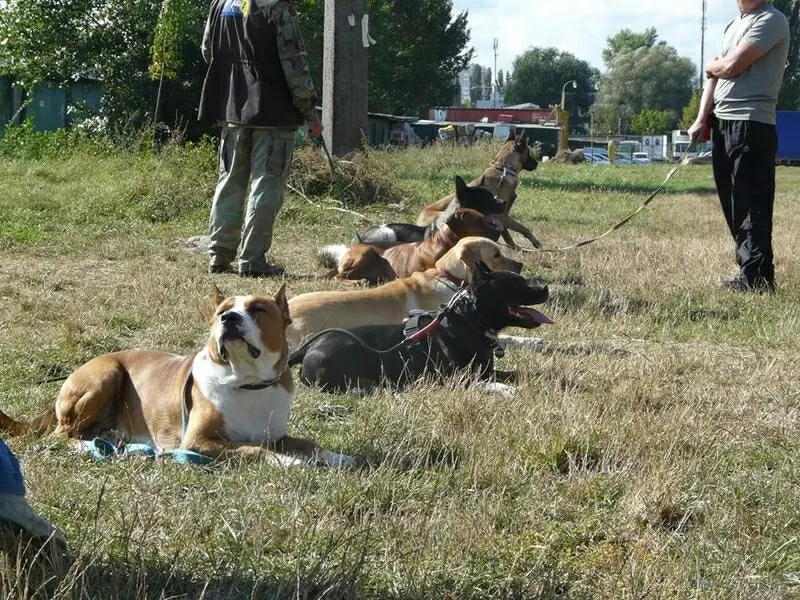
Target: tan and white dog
234,396
390,303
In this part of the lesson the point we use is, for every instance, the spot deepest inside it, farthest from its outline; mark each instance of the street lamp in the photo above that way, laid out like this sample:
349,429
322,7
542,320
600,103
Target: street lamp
564,92
564,115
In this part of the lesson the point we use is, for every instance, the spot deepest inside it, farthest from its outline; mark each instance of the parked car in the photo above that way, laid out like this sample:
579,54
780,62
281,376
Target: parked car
597,156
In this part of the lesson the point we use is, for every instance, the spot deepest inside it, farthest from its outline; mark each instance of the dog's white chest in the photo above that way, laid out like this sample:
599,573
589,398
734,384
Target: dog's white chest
255,415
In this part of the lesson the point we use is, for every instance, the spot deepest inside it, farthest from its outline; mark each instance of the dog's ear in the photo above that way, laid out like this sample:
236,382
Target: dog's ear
283,303
216,295
511,136
480,271
461,187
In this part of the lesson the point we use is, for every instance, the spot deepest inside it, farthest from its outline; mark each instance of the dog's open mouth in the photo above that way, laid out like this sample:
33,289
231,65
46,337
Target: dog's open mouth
527,317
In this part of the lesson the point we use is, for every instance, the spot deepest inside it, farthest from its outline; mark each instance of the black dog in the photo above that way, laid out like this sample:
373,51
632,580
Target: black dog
460,341
478,198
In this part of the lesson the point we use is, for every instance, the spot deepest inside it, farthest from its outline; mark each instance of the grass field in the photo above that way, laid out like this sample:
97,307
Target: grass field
652,451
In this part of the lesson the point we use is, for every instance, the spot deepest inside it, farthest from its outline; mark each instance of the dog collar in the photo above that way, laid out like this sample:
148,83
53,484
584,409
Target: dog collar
448,275
264,384
449,238
504,168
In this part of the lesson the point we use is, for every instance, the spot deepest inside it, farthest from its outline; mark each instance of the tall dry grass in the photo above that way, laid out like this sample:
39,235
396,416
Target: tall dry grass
651,451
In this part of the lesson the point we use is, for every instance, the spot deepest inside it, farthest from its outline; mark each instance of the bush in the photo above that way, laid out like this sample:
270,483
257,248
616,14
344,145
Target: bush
24,141
365,177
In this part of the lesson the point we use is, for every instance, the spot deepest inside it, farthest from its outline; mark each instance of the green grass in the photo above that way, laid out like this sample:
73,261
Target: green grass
652,450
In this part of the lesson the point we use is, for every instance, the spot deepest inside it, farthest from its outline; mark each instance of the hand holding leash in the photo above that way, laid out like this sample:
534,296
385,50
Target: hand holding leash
314,128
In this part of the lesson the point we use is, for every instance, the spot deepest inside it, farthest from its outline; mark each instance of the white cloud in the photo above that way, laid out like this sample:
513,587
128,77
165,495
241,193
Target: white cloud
583,26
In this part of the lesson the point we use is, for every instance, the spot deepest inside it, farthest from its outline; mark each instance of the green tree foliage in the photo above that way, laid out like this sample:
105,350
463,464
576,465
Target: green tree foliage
690,111
500,82
651,122
540,74
61,41
487,83
421,47
122,43
475,83
176,30
789,98
627,40
605,120
651,76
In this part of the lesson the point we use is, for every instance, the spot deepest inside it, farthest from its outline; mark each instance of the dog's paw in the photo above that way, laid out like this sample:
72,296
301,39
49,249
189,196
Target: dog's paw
536,344
495,387
284,460
336,460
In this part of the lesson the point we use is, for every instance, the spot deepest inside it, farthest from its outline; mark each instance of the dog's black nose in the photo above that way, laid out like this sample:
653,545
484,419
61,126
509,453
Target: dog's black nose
230,317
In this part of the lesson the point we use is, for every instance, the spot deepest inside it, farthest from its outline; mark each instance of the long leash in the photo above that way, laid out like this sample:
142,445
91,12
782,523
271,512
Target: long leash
421,333
683,161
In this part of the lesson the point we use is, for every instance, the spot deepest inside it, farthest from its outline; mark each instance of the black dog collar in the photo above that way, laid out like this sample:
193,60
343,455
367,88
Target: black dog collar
264,384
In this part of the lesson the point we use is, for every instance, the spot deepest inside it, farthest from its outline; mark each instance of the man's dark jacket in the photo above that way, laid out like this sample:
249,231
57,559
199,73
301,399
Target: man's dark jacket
245,83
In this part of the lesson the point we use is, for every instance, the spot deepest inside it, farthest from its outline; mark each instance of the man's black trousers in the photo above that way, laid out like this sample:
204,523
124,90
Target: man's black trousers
744,171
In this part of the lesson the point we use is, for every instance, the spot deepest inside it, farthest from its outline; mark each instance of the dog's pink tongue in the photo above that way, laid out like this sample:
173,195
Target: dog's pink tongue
530,314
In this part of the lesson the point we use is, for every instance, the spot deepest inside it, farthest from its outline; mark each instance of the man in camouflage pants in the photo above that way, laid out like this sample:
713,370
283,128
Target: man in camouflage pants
259,89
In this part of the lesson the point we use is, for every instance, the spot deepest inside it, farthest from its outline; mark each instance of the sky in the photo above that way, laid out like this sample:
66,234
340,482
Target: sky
582,27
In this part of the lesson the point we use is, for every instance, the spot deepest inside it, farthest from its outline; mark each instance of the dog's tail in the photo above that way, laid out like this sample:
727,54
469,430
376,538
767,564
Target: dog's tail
296,357
43,422
330,255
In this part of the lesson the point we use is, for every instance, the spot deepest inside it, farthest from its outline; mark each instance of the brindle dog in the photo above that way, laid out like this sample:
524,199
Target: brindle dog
502,178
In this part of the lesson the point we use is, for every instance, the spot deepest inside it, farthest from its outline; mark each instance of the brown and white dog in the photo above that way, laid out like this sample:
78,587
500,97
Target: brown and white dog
235,394
390,303
502,178
364,261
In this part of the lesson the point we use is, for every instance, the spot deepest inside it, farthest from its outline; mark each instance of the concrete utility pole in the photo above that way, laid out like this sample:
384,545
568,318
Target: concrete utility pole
344,75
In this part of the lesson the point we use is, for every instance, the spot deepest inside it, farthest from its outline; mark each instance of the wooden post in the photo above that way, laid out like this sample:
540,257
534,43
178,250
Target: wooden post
344,76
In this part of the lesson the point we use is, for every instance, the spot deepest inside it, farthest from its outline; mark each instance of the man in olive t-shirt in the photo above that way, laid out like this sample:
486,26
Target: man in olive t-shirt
742,89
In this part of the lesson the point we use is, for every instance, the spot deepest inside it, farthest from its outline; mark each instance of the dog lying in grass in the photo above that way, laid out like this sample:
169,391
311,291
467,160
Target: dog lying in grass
363,261
458,340
475,196
502,179
390,303
231,398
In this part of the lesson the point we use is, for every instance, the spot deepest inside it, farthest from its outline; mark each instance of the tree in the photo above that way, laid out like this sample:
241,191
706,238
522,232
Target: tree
475,83
651,122
626,41
650,76
487,83
500,82
789,97
406,73
690,111
108,40
540,74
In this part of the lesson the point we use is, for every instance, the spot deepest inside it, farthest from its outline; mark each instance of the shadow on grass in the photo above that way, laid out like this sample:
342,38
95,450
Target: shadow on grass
31,572
643,189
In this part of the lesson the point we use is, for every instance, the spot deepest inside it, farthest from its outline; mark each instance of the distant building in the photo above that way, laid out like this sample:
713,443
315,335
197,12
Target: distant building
463,82
47,104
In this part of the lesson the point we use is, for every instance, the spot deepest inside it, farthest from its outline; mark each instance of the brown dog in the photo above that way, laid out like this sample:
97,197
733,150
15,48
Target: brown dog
502,178
234,395
363,261
390,303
